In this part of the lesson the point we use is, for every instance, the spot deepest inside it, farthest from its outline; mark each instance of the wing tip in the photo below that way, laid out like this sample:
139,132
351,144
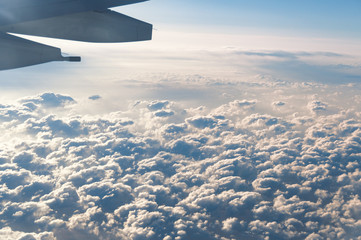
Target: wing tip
72,59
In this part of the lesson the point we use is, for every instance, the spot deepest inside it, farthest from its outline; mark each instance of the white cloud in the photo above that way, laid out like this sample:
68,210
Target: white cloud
48,100
159,170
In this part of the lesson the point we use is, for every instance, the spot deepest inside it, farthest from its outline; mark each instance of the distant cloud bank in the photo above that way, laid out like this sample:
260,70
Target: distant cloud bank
164,171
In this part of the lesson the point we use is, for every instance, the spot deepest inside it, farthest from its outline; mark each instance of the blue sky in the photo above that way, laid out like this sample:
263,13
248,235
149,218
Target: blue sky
322,18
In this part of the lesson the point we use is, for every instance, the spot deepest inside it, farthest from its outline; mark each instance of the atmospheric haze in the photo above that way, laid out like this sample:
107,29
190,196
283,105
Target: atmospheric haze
207,132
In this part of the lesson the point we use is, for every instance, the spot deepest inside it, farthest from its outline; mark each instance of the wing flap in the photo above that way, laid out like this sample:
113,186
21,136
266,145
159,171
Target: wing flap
18,52
107,26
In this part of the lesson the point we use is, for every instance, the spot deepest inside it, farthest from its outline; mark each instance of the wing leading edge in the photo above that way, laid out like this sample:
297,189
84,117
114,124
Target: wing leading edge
102,26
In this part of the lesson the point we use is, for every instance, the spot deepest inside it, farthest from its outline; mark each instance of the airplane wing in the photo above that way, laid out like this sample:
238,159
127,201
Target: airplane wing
107,26
18,52
79,20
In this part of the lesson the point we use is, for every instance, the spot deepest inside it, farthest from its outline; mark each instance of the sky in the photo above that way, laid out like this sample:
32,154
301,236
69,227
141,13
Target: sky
319,18
185,27
239,120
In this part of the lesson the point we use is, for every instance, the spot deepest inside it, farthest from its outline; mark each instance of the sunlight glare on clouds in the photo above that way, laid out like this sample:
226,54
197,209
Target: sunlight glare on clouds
231,57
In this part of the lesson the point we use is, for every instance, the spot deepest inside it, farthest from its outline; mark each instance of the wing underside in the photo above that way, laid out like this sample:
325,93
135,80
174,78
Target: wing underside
18,52
17,11
106,26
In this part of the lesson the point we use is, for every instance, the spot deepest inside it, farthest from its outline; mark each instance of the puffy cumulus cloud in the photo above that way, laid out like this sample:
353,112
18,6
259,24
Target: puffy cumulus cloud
157,105
317,106
278,104
161,171
48,100
8,234
94,97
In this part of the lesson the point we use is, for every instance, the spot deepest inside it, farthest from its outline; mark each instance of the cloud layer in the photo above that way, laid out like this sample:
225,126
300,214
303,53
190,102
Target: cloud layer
164,171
